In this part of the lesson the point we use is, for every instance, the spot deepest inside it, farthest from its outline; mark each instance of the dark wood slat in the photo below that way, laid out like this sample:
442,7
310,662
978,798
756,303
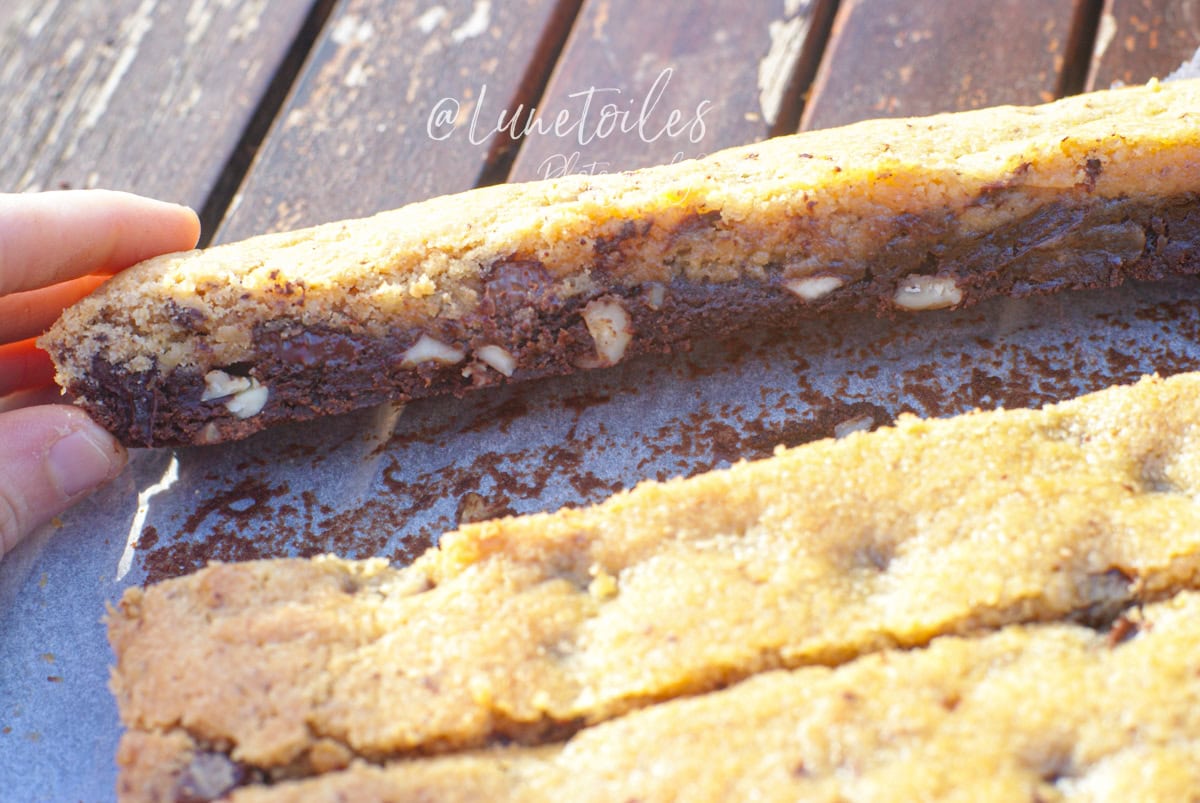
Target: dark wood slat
367,127
1137,40
899,58
727,67
151,96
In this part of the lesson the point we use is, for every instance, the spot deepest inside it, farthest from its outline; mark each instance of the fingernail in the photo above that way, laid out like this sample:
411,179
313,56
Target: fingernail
83,460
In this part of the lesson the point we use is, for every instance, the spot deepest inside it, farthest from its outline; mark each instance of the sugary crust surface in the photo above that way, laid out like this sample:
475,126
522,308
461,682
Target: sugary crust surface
530,628
817,214
1051,712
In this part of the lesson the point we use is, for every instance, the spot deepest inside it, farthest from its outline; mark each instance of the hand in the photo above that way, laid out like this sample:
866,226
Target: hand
55,248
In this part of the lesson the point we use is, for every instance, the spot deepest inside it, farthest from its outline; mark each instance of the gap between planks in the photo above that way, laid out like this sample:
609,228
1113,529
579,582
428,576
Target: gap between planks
240,158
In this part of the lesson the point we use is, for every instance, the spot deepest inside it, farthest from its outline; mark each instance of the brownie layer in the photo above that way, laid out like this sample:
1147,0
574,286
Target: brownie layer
1073,241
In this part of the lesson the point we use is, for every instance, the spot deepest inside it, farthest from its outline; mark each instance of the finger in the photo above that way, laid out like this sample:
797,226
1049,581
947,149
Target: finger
29,313
49,237
50,458
23,365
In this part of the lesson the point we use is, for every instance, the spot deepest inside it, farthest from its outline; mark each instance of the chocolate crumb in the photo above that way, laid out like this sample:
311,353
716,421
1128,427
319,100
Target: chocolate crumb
1121,631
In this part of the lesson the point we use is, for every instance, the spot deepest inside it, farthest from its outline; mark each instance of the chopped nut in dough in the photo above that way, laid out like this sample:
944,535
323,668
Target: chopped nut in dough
499,358
927,292
250,401
245,395
811,288
609,325
428,349
218,385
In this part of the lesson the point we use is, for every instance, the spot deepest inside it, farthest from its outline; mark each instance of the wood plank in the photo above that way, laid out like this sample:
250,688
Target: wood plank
729,69
899,58
400,101
139,95
1137,40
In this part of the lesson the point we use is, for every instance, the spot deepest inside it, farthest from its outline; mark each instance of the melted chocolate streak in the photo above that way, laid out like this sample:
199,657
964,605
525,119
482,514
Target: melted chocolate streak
1078,243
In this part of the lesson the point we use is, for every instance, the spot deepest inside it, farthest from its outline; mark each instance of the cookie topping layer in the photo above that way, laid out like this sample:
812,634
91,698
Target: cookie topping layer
1036,712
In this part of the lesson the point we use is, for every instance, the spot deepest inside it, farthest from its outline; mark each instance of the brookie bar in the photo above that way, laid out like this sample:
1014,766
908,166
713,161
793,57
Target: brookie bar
1047,712
524,280
530,629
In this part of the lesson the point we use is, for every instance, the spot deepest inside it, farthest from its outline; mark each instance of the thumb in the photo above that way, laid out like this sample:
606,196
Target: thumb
50,457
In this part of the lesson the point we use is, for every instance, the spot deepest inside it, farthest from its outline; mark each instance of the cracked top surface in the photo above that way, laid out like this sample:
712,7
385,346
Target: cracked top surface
814,204
531,627
1050,712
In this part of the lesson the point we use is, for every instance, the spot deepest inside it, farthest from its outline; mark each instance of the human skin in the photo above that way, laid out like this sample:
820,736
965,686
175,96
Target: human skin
55,248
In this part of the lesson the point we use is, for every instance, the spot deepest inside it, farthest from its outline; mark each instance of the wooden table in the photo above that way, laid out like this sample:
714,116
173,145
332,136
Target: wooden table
271,114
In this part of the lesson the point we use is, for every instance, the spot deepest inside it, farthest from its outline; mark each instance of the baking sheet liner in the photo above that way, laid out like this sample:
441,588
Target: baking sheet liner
386,482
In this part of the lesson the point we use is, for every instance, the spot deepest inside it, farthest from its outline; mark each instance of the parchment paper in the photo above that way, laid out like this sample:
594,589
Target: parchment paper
384,482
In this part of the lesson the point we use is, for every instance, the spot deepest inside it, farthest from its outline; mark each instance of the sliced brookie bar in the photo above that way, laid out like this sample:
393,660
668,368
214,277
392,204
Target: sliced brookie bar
518,281
1045,712
527,629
